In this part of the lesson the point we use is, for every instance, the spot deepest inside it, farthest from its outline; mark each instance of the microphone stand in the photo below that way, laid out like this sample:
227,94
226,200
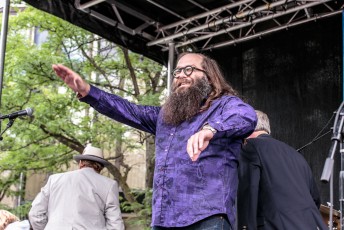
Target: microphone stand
9,124
341,184
328,167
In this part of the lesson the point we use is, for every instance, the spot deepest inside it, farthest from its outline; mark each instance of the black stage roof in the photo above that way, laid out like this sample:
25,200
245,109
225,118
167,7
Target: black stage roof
152,27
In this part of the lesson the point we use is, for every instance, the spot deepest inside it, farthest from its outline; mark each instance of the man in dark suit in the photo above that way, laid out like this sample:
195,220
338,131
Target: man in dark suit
276,186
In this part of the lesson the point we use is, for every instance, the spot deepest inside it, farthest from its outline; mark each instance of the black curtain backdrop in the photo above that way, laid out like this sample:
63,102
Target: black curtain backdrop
295,76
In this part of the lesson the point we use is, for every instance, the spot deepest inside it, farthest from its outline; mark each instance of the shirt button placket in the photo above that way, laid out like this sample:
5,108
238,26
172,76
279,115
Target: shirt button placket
164,172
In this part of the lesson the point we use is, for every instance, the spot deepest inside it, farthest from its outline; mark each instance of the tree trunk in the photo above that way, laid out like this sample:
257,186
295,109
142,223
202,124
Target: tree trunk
150,159
122,182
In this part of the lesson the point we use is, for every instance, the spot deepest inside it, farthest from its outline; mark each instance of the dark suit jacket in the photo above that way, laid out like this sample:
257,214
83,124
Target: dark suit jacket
276,188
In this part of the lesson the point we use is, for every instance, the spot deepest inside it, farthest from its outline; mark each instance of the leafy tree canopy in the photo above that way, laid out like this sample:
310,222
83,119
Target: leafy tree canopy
61,125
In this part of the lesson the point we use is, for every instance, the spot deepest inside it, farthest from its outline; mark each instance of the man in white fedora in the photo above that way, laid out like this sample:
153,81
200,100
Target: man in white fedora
80,199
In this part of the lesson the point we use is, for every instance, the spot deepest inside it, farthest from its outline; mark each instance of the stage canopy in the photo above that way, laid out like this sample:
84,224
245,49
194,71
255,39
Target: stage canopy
295,75
152,27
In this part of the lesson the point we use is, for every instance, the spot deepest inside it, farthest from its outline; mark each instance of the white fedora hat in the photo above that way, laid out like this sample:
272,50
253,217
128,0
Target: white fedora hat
93,154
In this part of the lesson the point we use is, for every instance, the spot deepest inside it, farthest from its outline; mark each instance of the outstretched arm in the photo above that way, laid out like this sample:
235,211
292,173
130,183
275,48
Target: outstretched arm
111,105
72,79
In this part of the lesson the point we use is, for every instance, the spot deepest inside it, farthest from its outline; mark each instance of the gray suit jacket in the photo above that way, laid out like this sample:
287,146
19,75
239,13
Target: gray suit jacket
80,199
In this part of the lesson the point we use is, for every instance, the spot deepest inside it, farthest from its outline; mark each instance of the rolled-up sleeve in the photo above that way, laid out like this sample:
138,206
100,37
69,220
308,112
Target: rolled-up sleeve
234,118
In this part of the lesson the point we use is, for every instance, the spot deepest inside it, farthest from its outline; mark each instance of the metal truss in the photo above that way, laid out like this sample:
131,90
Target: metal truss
229,24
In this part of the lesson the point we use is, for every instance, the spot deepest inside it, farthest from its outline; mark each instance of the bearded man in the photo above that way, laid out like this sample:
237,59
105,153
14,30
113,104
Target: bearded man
199,131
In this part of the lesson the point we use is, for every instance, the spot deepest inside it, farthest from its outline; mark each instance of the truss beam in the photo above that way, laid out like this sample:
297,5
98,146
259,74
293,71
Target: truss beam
226,25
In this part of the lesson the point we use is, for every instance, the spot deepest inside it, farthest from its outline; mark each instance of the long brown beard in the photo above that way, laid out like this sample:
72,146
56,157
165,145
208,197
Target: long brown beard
183,105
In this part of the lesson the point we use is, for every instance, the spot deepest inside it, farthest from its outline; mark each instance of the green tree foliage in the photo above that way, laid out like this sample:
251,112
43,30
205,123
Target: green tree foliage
61,125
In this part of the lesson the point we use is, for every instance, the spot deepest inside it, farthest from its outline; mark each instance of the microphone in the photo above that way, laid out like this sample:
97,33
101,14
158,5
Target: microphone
27,111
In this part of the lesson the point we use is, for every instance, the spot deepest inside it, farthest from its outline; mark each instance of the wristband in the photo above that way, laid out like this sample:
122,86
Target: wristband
208,127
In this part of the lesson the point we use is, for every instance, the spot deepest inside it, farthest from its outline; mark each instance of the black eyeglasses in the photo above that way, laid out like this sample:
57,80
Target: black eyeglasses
187,71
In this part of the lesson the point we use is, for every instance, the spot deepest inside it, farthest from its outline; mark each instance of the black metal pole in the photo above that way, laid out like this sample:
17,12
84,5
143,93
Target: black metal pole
341,192
3,39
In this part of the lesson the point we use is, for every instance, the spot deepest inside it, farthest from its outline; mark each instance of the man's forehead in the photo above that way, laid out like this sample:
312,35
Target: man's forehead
190,59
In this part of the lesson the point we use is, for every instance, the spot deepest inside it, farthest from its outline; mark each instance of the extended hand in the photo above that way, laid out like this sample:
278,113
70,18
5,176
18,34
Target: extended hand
72,79
198,142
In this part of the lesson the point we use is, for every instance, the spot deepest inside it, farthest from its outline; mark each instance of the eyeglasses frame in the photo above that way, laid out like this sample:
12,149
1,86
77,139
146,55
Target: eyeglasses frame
183,69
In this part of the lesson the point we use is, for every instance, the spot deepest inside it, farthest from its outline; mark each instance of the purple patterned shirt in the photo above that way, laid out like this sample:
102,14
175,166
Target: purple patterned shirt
184,191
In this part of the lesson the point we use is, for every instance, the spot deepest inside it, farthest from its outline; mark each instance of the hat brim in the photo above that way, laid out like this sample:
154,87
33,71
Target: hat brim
91,158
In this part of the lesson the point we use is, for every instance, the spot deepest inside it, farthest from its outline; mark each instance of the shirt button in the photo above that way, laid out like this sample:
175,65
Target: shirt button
171,134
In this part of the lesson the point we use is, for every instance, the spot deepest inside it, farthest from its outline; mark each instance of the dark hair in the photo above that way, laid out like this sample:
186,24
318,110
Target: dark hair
93,164
216,79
